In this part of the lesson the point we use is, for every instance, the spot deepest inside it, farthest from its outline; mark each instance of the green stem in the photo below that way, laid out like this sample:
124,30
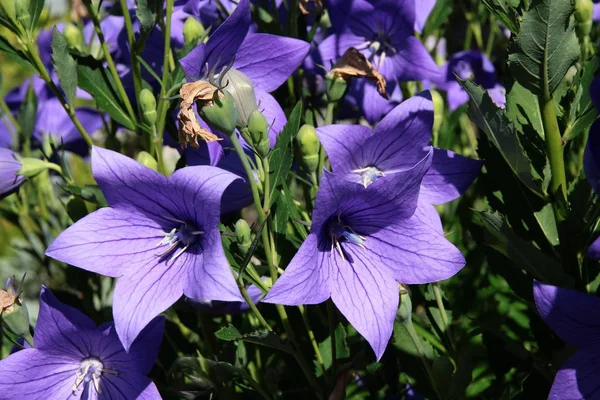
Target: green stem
109,60
554,148
322,154
135,64
246,296
332,322
440,303
424,361
313,341
33,53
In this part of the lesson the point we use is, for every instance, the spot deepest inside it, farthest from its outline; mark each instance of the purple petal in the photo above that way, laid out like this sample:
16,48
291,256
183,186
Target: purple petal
595,92
268,60
422,13
110,242
411,62
416,251
273,114
306,279
455,95
593,251
352,16
222,45
344,145
449,176
53,119
376,107
573,316
128,385
9,166
429,215
145,293
62,329
334,46
32,374
578,378
366,294
210,277
596,13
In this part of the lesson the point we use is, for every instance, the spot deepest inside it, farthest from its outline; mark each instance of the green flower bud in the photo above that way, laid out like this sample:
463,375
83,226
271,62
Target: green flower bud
221,113
147,160
33,166
13,311
192,30
309,146
243,235
73,36
148,105
259,132
241,89
584,10
335,87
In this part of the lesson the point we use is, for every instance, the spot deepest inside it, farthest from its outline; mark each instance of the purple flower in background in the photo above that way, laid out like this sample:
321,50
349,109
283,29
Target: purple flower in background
591,159
363,95
362,242
365,156
75,359
422,9
383,30
575,318
159,237
475,65
9,167
264,60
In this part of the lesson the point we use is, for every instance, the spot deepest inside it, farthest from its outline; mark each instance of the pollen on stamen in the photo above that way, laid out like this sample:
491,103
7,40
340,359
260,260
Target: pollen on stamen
91,370
183,236
340,232
369,174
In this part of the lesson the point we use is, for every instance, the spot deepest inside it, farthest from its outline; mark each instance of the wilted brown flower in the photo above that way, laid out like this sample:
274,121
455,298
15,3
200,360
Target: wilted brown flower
7,301
354,64
189,127
303,3
78,10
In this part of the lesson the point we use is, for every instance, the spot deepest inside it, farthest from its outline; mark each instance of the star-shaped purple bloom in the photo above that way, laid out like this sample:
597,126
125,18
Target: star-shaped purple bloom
267,60
363,241
9,166
74,359
383,30
159,237
575,318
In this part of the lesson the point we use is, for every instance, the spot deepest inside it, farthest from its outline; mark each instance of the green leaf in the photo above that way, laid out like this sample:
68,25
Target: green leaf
545,47
439,15
147,11
583,113
281,157
35,11
341,348
505,13
524,254
501,133
27,116
91,193
13,54
228,333
261,337
65,65
547,222
523,108
99,83
405,336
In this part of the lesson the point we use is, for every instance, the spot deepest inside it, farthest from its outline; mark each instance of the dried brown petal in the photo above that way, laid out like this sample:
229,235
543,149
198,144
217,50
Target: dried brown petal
189,127
354,64
78,10
7,301
303,3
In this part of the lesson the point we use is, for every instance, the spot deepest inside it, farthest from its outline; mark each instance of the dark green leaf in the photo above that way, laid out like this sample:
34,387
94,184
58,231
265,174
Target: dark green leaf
501,133
14,54
545,47
583,113
405,335
100,84
91,193
65,65
341,347
262,337
281,157
35,10
439,15
147,11
505,13
228,333
28,113
523,108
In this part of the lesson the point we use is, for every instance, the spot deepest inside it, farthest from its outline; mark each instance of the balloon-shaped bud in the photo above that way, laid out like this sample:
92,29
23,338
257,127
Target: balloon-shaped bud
13,311
335,87
147,160
584,10
309,146
258,127
192,30
221,113
243,235
73,35
148,105
242,91
30,167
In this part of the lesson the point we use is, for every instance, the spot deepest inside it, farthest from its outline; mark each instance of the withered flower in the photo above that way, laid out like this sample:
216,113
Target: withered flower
8,301
304,3
354,64
189,127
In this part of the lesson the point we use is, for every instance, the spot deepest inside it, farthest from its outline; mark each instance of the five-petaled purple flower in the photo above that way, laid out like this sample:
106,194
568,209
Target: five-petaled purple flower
575,318
10,165
74,359
159,237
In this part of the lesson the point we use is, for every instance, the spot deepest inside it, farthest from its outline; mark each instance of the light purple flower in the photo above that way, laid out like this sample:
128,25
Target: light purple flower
575,318
383,30
363,241
74,359
422,9
9,167
159,237
267,60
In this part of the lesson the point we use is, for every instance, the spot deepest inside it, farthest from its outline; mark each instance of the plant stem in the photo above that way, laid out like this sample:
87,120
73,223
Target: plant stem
554,149
135,64
313,341
332,322
33,53
424,361
440,303
240,282
322,154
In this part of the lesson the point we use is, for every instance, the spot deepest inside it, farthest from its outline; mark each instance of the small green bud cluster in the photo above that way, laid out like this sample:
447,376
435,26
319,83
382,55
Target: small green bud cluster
309,147
148,106
192,30
243,235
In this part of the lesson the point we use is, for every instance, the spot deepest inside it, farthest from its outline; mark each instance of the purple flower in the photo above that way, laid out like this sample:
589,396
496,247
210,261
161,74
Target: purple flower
159,237
216,307
9,167
383,30
362,242
363,95
266,60
575,318
422,8
400,140
475,65
75,359
591,159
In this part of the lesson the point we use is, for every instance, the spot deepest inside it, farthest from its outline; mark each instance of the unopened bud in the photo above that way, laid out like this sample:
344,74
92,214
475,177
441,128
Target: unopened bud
242,91
148,105
243,235
13,311
335,87
192,30
147,160
584,10
33,166
309,146
220,113
259,132
73,36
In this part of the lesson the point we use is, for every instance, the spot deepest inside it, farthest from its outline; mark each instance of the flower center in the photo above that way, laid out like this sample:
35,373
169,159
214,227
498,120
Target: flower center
369,174
90,370
181,237
340,232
